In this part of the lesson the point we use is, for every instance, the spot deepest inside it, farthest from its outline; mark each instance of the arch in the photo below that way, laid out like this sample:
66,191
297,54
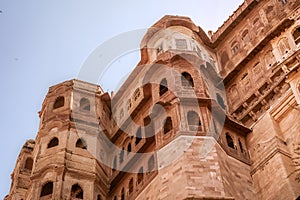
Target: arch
140,175
151,164
168,126
246,36
115,197
130,186
47,189
99,197
187,80
163,87
76,192
28,163
59,102
229,141
296,35
80,143
270,59
224,58
241,145
235,47
194,121
138,136
284,46
220,101
84,104
122,194
128,148
53,142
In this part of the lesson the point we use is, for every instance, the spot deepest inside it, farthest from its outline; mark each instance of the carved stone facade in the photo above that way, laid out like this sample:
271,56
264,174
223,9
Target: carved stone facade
199,118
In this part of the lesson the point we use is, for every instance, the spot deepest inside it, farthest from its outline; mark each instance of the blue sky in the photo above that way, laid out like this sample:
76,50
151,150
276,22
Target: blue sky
45,42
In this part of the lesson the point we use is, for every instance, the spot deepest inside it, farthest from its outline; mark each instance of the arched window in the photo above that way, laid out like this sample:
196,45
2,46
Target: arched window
54,142
140,175
194,121
163,87
168,126
151,163
284,46
270,59
229,140
28,164
85,104
224,59
115,197
241,146
98,197
296,35
187,80
122,155
128,148
246,37
47,189
59,102
235,47
76,192
130,187
221,101
138,136
81,144
122,194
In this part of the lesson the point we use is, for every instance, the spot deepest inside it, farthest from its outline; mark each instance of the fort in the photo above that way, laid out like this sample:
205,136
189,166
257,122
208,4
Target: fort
200,117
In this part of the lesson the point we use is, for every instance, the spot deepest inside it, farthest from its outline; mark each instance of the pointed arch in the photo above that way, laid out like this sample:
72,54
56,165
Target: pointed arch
76,191
229,140
187,80
163,86
53,142
80,143
59,102
47,189
28,163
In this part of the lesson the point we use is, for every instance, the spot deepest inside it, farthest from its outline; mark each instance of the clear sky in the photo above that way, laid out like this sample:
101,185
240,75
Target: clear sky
45,42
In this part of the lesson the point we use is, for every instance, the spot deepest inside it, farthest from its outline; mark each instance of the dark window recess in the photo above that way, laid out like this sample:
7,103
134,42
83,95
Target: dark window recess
59,102
47,189
76,192
81,144
229,140
130,187
163,87
187,80
54,142
296,35
138,137
168,125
